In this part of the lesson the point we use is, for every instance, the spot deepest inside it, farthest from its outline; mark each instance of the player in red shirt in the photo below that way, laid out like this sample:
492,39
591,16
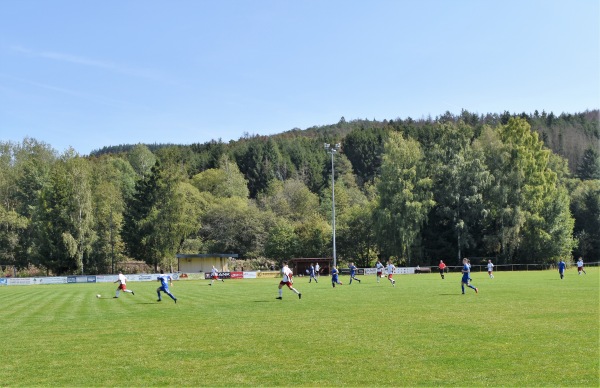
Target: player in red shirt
442,268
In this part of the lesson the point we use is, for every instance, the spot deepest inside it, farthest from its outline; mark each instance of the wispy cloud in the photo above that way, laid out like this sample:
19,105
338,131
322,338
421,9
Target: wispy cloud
74,93
95,63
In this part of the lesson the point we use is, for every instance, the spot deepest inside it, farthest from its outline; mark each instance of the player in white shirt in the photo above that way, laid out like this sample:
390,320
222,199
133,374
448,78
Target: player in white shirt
490,266
287,281
122,280
580,266
390,271
214,275
379,267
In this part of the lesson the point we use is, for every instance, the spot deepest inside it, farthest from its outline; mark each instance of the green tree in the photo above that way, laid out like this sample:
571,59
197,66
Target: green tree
66,235
405,196
282,242
235,225
460,178
364,149
314,237
357,235
12,224
585,207
224,182
526,201
141,159
589,166
112,183
290,199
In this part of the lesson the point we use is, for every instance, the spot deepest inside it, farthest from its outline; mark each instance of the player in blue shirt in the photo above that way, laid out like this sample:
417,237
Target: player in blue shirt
164,286
561,268
353,273
312,274
466,278
334,277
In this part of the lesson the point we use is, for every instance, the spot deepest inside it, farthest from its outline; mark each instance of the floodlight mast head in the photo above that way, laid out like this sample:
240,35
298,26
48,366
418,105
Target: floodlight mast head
332,148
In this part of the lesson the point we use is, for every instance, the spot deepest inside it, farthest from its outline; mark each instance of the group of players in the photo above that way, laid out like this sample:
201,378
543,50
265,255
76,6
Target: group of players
288,281
165,281
379,267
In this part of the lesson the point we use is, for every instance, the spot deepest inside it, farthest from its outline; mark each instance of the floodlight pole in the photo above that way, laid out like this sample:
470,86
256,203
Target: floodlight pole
332,150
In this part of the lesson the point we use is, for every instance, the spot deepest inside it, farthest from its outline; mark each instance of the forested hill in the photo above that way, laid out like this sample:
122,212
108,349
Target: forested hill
568,135
412,191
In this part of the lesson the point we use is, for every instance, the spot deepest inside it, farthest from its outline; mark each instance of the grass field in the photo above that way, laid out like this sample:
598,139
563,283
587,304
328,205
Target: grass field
522,329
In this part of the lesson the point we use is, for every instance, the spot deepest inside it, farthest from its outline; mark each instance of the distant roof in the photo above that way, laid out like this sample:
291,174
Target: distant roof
204,255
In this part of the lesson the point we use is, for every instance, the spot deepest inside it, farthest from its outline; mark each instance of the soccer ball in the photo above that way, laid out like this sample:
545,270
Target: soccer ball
98,296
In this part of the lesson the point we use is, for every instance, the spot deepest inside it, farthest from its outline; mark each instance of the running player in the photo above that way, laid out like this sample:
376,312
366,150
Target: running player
214,275
122,280
165,280
561,268
490,266
312,274
379,267
390,271
287,281
580,266
465,278
335,277
442,267
353,270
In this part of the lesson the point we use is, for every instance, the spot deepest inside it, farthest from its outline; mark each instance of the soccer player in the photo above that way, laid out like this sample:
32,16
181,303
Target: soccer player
390,271
317,269
490,269
312,274
561,268
164,286
214,275
335,277
466,278
122,280
379,267
353,273
287,281
442,267
469,264
580,266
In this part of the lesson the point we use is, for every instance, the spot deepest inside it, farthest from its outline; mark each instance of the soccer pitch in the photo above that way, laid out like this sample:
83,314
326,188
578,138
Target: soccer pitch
522,329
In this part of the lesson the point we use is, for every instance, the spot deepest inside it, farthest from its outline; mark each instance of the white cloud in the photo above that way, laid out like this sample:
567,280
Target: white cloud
95,63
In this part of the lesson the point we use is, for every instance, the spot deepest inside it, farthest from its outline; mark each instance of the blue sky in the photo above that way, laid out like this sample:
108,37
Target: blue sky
91,74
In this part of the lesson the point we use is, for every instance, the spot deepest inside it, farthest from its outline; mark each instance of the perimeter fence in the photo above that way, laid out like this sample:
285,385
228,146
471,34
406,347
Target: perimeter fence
514,267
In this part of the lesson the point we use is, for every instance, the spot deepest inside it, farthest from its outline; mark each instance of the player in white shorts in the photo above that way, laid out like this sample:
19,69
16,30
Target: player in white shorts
490,266
390,271
379,267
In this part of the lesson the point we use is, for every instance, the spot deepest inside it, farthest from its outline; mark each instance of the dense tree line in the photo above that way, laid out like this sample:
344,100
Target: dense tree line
418,191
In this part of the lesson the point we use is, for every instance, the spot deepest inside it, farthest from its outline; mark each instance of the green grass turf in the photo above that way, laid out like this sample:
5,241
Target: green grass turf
522,329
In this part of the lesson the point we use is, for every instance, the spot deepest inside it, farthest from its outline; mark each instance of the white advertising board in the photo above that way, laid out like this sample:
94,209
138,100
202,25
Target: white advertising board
19,281
50,280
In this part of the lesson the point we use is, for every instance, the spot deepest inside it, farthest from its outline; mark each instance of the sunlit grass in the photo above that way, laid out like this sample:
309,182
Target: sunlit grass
523,328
